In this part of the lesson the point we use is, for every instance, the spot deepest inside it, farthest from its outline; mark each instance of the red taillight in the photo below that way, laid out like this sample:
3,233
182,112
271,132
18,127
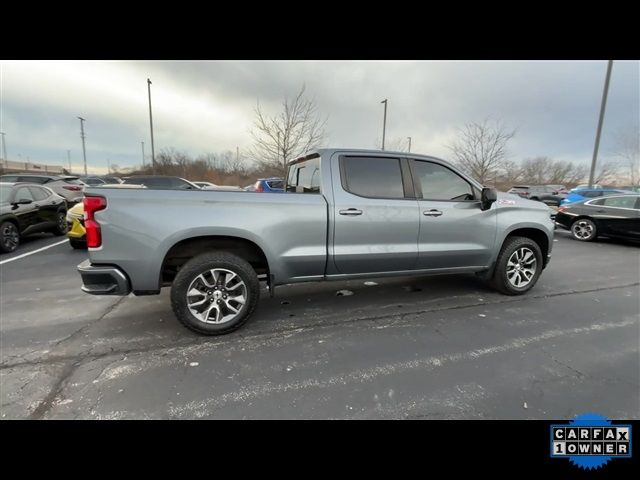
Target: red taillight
259,187
73,188
91,206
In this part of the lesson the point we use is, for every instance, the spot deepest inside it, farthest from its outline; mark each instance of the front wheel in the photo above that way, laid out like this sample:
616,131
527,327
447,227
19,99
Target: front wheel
9,237
215,293
77,244
584,229
518,266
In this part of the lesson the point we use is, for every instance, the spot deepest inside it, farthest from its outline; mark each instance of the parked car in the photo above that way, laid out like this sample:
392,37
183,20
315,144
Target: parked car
228,188
610,216
204,184
95,180
76,231
586,193
350,214
29,208
582,186
163,182
269,185
548,194
68,186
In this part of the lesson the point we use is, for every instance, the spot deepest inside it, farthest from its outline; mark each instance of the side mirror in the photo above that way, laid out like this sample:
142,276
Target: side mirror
23,201
488,196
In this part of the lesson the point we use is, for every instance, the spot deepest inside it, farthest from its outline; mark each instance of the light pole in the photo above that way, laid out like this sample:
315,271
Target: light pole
84,151
142,154
384,121
409,144
153,154
4,150
603,106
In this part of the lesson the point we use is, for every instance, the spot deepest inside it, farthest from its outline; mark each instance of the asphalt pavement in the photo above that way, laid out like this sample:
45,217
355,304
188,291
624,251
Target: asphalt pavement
420,348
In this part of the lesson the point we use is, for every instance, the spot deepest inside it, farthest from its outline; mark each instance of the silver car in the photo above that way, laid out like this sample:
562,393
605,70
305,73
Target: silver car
70,187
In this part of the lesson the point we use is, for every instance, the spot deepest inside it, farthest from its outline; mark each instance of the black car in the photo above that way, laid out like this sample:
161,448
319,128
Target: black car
161,182
549,194
610,216
27,208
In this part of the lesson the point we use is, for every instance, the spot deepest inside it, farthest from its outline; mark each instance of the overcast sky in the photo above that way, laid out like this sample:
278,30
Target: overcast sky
207,106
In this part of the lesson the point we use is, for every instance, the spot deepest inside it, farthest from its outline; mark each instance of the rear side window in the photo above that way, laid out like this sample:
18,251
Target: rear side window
440,183
620,202
39,193
375,177
275,184
304,177
9,178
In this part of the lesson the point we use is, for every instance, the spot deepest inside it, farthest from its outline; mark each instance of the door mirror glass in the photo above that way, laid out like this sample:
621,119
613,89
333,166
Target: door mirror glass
23,201
488,196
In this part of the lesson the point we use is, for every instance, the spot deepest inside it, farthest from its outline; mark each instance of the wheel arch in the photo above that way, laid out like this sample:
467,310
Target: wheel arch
182,251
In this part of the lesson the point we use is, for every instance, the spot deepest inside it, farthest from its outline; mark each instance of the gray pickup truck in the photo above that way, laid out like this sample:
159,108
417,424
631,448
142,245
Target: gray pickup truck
345,214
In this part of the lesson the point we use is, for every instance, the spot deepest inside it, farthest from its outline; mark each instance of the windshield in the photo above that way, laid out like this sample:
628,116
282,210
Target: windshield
5,194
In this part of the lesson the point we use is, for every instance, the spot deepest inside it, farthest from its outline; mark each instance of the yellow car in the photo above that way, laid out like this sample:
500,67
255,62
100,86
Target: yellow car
75,220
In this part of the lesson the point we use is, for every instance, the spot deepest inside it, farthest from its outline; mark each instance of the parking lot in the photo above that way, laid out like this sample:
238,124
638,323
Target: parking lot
429,347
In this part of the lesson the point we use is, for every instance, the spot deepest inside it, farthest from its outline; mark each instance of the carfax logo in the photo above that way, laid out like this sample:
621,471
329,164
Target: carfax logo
590,441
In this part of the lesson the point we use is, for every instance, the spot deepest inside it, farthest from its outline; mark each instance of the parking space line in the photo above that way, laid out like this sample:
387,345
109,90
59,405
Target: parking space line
32,252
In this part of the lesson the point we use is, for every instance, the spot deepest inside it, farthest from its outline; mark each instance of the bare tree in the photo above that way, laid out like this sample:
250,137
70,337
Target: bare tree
627,148
296,130
481,148
606,172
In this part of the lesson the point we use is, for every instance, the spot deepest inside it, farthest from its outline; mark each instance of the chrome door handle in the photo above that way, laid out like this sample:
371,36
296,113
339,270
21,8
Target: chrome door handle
350,211
432,213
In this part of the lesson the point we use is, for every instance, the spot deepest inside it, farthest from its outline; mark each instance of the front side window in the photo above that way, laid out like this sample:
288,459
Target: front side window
374,177
620,202
440,183
304,177
24,193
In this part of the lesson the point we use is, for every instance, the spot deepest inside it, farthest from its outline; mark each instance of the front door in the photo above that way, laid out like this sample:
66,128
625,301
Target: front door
454,231
376,216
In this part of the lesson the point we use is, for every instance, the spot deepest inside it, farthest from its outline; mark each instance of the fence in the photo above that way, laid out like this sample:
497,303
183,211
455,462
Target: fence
10,166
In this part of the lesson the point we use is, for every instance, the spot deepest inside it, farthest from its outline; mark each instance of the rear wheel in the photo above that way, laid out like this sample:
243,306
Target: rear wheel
584,229
518,266
215,293
61,223
9,237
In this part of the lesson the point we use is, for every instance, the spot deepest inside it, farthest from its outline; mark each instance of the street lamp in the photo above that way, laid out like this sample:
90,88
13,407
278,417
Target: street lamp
409,144
153,155
384,121
84,151
603,106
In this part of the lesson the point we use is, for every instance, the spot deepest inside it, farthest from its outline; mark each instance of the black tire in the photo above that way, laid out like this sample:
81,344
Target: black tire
61,223
9,237
499,281
77,244
584,230
535,198
203,264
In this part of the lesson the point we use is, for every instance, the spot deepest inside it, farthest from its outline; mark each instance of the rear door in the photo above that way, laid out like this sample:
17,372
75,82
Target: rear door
46,205
27,214
454,231
376,214
619,215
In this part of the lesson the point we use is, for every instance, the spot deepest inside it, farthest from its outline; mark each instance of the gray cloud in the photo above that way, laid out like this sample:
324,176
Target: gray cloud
207,106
